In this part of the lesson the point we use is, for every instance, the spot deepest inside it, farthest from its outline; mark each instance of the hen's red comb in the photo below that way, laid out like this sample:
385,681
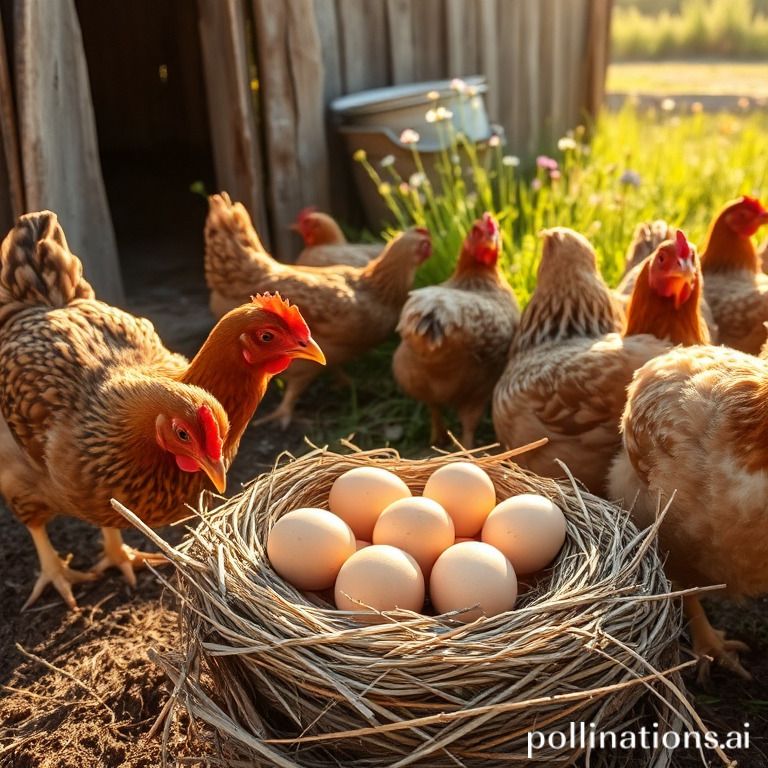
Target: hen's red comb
211,433
305,213
490,225
288,313
753,204
683,247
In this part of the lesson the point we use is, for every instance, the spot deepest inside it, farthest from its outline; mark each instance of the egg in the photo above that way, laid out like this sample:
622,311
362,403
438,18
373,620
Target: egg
418,526
473,573
307,547
466,492
360,495
382,577
529,529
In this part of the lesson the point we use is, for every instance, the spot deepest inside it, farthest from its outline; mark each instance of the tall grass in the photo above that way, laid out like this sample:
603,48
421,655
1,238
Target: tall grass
635,167
694,29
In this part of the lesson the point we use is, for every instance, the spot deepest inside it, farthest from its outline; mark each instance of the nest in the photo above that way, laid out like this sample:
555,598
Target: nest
290,681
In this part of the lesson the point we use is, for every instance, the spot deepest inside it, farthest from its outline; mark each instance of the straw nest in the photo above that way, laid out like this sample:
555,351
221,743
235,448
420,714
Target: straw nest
287,680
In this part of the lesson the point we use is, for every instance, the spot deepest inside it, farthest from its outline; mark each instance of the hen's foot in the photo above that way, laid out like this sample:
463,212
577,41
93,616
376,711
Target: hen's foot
710,643
61,577
126,559
723,652
54,571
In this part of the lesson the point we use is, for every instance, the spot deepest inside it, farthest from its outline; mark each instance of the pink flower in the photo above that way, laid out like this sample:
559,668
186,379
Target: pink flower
549,163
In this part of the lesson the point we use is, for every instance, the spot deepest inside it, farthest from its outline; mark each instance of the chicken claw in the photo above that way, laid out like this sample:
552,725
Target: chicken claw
710,644
127,559
55,571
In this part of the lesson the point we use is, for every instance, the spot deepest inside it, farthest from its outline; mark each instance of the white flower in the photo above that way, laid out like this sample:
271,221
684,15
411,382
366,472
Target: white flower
494,141
441,113
511,161
472,90
409,136
433,95
416,180
458,85
566,143
387,161
668,104
431,116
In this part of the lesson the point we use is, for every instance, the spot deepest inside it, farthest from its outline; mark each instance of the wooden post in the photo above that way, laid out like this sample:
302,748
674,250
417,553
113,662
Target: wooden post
292,81
11,188
236,152
57,132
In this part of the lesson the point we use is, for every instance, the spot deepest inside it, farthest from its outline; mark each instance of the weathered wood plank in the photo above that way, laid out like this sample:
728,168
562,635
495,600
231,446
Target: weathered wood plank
402,64
236,153
12,192
597,49
489,54
291,74
363,33
428,30
462,38
57,134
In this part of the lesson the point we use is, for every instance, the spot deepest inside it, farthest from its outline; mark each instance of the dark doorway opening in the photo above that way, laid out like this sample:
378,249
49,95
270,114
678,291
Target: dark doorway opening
147,81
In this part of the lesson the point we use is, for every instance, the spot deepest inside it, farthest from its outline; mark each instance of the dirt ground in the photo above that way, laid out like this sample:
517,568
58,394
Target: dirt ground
78,689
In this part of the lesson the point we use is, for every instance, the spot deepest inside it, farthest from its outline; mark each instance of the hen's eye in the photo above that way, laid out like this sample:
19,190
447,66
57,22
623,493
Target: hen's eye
266,336
183,435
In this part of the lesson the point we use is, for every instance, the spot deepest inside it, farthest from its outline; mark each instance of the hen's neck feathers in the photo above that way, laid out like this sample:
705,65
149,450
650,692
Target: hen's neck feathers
220,369
650,313
471,275
725,250
390,275
567,305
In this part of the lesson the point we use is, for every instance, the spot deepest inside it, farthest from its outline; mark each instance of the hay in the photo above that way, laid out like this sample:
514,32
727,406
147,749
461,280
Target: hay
294,682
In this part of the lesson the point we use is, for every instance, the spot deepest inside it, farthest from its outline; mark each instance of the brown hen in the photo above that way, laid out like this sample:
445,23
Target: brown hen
325,243
350,310
694,426
456,335
734,284
94,406
569,366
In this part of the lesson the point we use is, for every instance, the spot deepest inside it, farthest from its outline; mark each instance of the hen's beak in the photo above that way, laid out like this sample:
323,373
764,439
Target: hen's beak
682,279
309,351
217,473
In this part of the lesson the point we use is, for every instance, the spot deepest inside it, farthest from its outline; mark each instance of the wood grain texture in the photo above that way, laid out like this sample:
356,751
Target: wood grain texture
57,133
236,151
11,188
292,84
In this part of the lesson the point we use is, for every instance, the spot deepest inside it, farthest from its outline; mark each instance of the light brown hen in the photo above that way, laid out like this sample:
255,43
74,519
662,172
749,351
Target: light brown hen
734,284
325,243
94,406
350,310
694,426
569,366
456,335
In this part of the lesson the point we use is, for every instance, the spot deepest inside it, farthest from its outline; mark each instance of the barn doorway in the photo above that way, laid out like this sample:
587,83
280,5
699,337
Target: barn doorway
147,82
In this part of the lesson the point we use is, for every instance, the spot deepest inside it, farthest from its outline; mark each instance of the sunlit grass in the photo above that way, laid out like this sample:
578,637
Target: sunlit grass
635,167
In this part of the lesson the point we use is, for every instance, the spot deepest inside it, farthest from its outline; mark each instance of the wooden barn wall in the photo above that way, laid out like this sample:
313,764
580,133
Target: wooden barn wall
544,60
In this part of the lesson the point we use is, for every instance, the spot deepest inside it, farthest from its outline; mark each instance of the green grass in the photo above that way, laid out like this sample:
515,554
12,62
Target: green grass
689,77
685,168
690,28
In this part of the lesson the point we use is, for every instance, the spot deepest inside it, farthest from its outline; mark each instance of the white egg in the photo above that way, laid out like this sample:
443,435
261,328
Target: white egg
360,495
307,547
472,573
466,492
529,529
382,577
418,526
